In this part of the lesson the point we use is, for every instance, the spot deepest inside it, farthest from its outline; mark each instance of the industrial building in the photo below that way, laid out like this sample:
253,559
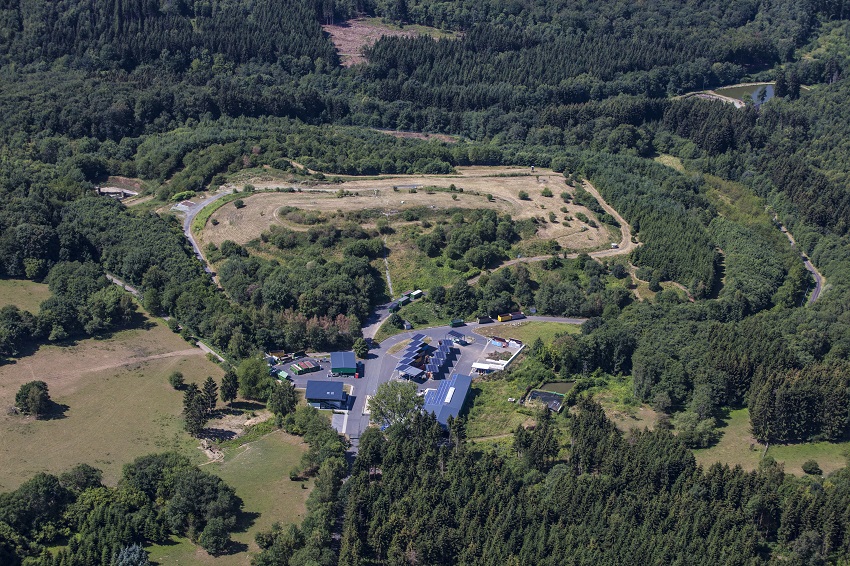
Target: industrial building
447,400
343,363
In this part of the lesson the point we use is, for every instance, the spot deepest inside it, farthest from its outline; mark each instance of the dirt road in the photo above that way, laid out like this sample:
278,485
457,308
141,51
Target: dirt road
625,246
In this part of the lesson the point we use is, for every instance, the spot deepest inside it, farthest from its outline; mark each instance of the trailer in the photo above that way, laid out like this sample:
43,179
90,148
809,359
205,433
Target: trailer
504,317
456,322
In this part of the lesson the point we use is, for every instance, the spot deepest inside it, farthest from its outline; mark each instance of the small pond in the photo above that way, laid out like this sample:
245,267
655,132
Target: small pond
562,387
756,93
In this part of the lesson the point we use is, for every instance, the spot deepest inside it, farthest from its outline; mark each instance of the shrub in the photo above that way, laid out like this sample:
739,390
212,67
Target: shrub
239,203
32,398
176,380
812,468
566,196
523,195
546,192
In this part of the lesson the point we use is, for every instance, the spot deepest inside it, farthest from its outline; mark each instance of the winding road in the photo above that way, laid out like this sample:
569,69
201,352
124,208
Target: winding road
820,280
625,246
191,213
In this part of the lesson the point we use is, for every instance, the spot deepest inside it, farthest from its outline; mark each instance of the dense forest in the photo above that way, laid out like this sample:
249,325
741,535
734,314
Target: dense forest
183,94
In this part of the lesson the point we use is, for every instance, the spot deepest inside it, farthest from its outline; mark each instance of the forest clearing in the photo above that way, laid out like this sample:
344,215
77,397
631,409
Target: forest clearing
737,447
353,36
396,193
257,472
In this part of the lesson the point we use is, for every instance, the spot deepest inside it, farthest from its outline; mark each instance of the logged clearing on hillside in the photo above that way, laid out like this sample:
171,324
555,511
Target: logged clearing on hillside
394,194
115,403
352,37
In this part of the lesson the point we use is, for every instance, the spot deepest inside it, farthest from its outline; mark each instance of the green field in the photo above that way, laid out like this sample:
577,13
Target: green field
259,472
24,294
420,314
490,412
118,403
737,446
528,331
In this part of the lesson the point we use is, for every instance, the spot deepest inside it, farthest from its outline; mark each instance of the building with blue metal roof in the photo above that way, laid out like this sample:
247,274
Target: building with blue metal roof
447,400
326,394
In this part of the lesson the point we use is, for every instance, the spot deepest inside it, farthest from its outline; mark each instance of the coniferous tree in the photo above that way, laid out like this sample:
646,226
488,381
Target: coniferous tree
229,386
210,393
195,409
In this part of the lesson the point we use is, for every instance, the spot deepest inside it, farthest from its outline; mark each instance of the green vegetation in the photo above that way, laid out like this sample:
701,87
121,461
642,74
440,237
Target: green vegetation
737,446
184,95
169,497
395,402
24,294
653,466
490,413
203,216
257,473
527,332
33,399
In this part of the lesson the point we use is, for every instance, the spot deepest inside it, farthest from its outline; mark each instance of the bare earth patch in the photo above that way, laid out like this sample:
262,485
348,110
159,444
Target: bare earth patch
351,37
419,135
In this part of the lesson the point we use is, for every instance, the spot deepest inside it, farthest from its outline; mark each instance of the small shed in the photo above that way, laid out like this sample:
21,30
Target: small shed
343,363
326,394
407,325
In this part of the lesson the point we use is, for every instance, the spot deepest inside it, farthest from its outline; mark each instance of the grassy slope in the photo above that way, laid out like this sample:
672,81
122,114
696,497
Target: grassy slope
528,331
26,295
259,472
117,408
490,412
737,446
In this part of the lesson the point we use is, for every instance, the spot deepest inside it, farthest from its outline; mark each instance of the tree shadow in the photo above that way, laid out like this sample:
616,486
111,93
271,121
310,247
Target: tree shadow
235,547
245,520
247,406
217,434
55,411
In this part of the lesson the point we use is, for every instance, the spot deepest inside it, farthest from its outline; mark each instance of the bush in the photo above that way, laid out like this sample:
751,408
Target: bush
546,192
32,398
239,203
566,196
811,467
176,380
215,538
523,195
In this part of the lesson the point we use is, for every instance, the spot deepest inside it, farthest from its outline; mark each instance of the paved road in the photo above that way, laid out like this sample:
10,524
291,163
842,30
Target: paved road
126,286
191,213
624,247
820,280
